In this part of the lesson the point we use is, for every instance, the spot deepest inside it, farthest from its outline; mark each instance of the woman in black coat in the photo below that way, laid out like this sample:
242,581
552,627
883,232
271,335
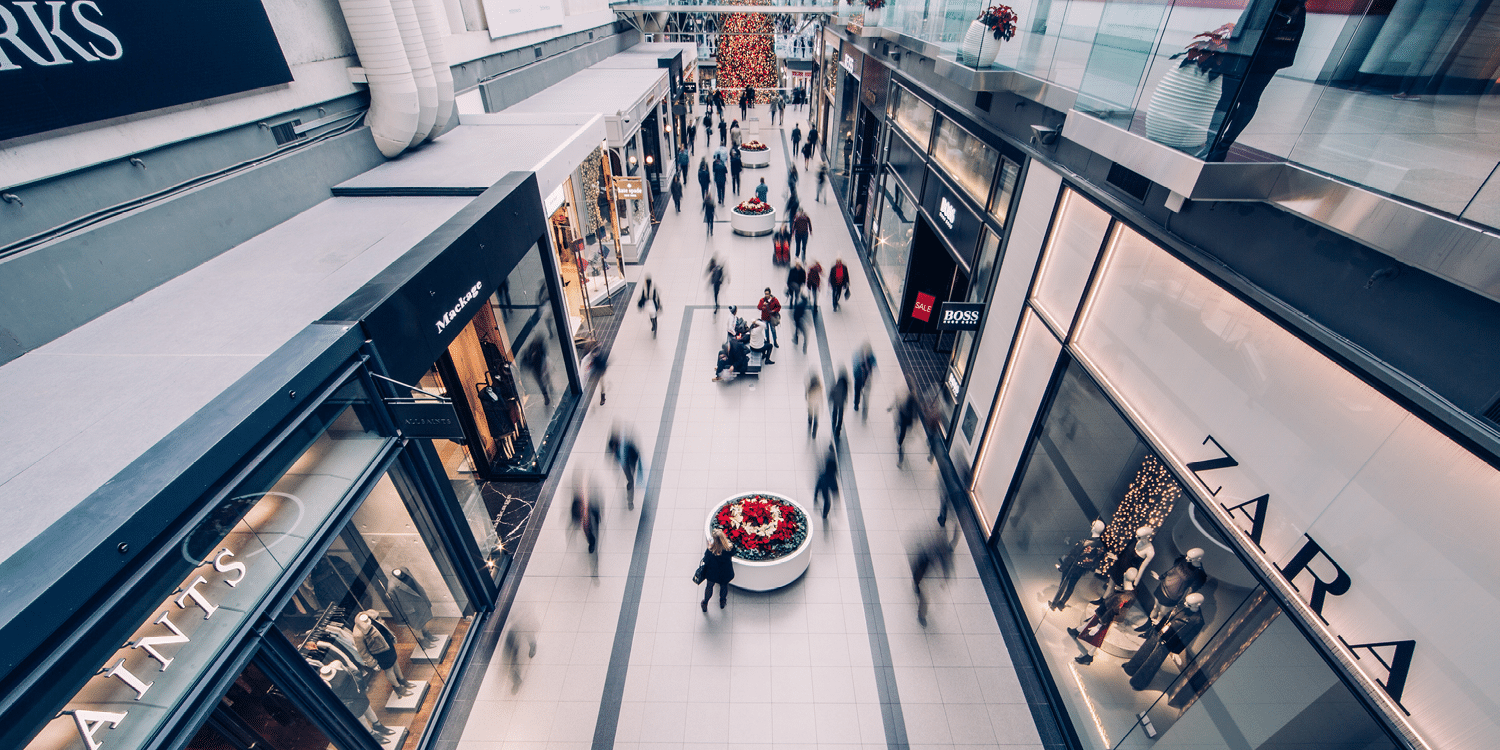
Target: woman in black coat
718,567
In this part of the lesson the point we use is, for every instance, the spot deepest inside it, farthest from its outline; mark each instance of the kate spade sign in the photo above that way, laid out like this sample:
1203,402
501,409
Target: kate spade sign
71,62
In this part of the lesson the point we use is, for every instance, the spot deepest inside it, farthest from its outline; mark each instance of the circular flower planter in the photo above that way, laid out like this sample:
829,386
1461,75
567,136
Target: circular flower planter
780,520
1182,107
979,47
752,225
755,159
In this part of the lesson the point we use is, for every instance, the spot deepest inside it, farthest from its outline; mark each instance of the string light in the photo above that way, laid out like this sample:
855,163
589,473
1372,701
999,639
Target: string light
1148,502
747,55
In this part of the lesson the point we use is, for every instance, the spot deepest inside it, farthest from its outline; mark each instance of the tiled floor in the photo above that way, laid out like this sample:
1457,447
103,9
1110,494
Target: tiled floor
624,657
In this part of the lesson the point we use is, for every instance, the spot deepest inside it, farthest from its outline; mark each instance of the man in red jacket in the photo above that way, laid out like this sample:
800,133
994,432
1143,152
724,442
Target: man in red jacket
770,314
838,281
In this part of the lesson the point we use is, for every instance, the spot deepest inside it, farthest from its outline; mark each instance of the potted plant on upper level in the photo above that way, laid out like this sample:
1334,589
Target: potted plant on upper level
1183,104
982,41
873,12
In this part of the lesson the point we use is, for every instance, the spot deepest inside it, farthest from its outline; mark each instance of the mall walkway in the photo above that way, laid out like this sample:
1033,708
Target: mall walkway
624,657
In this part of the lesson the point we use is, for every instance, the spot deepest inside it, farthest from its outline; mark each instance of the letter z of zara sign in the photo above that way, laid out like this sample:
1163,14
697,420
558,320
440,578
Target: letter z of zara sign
69,62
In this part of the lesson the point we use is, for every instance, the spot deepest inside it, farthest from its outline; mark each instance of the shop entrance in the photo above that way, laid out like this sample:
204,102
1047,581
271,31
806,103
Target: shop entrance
588,279
866,136
938,276
258,715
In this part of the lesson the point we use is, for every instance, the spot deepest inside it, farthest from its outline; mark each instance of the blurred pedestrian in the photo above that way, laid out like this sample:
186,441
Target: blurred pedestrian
907,411
717,273
796,276
704,178
814,282
627,455
534,361
518,637
717,568
838,282
812,141
822,180
807,154
814,404
801,230
597,361
793,205
828,479
799,322
792,177
653,310
586,512
735,137
937,552
677,194
721,176
723,131
770,315
864,370
692,136
838,395
683,161
796,137
708,215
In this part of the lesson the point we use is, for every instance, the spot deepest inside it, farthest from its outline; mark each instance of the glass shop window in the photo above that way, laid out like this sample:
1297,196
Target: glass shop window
893,235
1142,610
507,371
1005,187
913,116
230,562
381,616
256,714
966,159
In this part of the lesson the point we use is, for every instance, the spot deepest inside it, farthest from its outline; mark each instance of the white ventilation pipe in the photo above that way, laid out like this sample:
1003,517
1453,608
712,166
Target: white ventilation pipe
432,32
421,67
394,109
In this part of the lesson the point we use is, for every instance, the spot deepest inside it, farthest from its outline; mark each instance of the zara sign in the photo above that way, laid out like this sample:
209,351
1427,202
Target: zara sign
69,62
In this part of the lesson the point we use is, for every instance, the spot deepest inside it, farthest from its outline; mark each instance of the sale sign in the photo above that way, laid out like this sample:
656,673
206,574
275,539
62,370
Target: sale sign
923,309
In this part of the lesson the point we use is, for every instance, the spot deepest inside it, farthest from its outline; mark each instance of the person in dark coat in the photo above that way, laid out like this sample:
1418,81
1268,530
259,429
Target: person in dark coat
934,553
623,449
692,137
796,138
721,174
801,231
796,276
838,281
838,395
864,370
1248,68
723,132
704,178
586,516
708,218
677,194
736,165
828,479
814,282
718,275
718,568
907,410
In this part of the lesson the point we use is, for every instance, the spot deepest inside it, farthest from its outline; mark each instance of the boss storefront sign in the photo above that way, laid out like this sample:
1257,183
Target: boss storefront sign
1378,528
67,63
960,316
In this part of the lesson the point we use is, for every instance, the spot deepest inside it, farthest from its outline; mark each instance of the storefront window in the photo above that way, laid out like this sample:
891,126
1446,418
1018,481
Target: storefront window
1143,613
587,279
966,159
912,115
507,370
380,616
1005,187
1078,229
244,547
893,234
256,714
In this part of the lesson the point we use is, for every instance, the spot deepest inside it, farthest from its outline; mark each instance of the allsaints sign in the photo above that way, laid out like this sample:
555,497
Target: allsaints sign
69,62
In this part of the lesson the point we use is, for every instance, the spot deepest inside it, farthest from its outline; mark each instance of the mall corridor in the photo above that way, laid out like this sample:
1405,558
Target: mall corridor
623,656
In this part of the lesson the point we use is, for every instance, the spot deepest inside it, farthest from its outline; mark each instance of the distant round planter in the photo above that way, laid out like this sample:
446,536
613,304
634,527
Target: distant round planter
752,225
765,575
755,159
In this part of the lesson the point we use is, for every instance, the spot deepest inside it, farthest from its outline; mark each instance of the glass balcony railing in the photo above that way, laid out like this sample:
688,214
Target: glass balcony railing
816,6
1397,96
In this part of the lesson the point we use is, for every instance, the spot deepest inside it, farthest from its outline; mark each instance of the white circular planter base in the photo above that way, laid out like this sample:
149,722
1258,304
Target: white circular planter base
766,575
757,225
755,159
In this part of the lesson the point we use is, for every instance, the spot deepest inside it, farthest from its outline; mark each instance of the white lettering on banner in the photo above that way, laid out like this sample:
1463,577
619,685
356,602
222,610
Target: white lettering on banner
960,317
947,211
48,36
451,315
88,723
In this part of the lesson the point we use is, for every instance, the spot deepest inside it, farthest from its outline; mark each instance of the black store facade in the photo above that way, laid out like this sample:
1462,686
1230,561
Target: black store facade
304,569
940,205
1216,533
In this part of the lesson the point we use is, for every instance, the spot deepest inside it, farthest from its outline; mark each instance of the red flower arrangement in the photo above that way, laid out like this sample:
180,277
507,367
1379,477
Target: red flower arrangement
874,4
753,146
761,527
753,207
1001,21
1207,51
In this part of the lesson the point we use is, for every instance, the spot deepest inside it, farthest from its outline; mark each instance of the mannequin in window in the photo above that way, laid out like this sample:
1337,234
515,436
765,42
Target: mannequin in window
1085,556
1136,556
1185,577
1097,627
410,603
347,688
1170,636
377,644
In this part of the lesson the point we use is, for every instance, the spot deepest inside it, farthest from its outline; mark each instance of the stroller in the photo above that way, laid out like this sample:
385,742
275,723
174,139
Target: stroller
781,247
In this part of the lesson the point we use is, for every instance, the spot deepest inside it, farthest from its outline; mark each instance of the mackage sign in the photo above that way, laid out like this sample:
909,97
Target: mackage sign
1377,528
69,62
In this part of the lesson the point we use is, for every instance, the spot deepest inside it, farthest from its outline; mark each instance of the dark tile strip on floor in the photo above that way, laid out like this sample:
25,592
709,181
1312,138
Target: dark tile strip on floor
613,698
891,715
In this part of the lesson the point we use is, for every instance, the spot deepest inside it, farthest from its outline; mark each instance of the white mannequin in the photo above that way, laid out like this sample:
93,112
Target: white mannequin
1192,602
1098,528
1194,557
1144,547
1130,576
363,625
370,721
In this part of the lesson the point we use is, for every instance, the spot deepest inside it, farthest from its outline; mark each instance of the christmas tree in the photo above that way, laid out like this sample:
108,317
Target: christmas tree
747,54
1147,502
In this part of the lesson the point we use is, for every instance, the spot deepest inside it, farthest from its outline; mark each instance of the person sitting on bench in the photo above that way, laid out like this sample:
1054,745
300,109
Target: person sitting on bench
732,355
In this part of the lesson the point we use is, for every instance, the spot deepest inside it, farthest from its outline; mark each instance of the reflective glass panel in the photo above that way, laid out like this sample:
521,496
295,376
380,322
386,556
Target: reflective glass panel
913,116
966,159
893,234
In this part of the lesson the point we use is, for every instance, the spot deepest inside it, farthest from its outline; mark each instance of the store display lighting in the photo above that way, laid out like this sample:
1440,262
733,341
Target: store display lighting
1148,501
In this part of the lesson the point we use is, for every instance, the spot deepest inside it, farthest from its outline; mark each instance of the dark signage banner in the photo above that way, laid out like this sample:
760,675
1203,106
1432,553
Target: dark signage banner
960,316
69,63
427,419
